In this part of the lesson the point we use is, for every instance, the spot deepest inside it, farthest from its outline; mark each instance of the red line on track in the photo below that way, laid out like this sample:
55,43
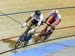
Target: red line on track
38,32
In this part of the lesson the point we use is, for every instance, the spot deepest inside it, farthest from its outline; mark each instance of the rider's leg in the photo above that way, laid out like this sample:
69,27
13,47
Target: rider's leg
26,34
36,38
30,35
33,23
40,35
45,29
28,28
49,32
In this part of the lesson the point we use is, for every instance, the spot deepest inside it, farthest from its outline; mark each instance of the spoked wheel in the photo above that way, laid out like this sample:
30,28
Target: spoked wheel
22,39
18,43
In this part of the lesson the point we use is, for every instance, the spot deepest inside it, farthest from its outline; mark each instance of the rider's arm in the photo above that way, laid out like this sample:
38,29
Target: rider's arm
24,24
28,19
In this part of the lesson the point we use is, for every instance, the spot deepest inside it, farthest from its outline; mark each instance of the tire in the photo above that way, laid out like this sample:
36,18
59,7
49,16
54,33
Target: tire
18,43
20,40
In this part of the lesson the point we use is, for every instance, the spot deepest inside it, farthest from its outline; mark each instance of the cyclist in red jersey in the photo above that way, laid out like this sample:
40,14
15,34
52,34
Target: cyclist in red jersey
51,22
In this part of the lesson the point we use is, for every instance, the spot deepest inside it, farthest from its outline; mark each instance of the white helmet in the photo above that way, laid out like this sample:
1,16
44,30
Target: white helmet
55,11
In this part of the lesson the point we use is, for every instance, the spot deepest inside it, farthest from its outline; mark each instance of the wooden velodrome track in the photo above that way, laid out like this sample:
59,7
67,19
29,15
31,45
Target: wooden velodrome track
9,28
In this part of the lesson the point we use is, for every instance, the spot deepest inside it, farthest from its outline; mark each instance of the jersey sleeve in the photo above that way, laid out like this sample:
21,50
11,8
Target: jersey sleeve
41,19
58,20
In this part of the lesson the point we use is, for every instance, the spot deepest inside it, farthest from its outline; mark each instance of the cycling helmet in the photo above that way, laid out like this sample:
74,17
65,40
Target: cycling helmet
38,12
55,11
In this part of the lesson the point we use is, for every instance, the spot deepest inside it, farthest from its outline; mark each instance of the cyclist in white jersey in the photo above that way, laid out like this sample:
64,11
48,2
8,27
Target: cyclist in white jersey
36,20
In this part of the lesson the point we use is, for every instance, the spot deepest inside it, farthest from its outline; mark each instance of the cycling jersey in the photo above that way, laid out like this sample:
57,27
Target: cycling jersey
38,19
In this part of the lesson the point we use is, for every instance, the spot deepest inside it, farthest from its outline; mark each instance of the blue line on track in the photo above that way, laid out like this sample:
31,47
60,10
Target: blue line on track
47,48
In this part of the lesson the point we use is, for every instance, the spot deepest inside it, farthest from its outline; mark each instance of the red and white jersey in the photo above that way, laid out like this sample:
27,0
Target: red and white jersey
38,18
54,18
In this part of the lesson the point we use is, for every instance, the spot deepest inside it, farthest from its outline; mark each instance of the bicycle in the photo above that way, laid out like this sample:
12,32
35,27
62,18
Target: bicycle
24,38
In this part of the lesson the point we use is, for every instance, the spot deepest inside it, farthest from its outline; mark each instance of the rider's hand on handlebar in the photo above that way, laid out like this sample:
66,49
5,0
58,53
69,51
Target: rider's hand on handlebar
23,25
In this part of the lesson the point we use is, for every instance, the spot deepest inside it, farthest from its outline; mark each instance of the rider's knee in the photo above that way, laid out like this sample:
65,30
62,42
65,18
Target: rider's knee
53,27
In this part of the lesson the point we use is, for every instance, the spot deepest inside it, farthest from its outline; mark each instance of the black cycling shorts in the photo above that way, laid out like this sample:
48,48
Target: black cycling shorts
34,22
